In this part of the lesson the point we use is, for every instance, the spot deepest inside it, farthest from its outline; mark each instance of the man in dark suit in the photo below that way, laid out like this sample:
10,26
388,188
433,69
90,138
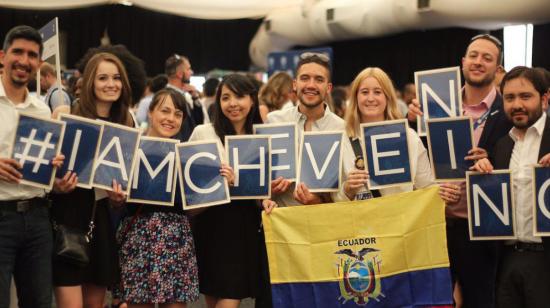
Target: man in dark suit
524,271
473,263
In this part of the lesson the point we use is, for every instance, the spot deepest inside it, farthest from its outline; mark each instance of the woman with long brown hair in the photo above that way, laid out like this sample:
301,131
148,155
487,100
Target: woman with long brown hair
106,95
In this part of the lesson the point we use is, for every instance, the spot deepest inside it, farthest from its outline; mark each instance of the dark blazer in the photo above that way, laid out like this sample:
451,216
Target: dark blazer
501,160
497,125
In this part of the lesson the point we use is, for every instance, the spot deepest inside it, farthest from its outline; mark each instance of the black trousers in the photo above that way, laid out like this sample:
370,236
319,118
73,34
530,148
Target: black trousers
523,280
473,265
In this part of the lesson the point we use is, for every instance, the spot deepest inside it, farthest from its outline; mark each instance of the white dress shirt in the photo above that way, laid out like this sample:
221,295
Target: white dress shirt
8,118
329,122
524,158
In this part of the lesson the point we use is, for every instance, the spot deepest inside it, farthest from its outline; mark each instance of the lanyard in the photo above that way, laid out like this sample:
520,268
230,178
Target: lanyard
482,119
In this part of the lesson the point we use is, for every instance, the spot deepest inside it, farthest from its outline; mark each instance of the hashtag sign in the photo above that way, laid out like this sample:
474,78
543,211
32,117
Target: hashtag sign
29,142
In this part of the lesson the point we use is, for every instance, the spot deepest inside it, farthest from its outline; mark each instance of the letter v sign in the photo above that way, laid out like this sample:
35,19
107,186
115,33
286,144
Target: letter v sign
319,174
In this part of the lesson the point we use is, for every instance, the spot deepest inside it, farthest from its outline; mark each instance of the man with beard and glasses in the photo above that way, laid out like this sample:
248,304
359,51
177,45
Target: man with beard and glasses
473,263
524,264
25,229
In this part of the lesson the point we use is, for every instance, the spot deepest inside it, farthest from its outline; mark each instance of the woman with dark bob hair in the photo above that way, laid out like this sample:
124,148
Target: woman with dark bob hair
227,238
106,95
157,254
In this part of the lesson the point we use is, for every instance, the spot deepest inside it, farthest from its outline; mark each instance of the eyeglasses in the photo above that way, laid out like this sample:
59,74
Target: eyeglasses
323,57
489,37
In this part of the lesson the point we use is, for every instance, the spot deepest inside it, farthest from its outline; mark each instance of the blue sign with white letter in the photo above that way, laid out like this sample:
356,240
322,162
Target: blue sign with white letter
387,153
37,141
80,154
449,141
439,94
283,148
490,205
542,201
154,175
199,174
320,161
115,160
250,158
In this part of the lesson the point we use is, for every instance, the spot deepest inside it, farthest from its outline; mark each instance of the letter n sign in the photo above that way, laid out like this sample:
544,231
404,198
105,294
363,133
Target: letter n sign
541,210
438,93
491,213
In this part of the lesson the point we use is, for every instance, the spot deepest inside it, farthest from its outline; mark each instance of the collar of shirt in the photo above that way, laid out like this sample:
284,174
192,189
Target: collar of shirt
320,123
537,128
28,99
485,104
175,88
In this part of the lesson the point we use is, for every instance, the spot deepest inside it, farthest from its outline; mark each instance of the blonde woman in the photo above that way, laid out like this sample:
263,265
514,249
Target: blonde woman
373,99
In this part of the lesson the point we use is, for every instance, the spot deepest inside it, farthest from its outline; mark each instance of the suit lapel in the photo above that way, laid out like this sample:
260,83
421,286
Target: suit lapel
545,142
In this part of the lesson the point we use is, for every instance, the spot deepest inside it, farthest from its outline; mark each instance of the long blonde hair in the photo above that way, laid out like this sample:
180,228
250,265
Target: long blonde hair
352,117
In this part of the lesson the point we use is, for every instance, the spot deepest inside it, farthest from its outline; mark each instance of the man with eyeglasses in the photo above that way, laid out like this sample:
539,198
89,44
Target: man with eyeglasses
474,263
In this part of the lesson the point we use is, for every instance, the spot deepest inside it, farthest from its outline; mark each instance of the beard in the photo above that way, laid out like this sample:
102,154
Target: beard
485,81
184,79
310,104
532,117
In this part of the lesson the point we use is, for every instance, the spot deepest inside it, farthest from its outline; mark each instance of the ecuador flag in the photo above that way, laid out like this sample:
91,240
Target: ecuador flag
382,252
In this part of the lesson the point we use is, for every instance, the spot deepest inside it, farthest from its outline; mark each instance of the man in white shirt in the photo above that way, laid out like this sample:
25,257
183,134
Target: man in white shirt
25,229
48,82
524,272
312,86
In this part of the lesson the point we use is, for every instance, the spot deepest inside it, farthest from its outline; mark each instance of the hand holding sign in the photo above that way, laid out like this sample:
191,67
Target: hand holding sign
117,196
9,170
303,195
65,184
476,154
280,185
357,180
450,193
227,172
545,160
483,165
414,110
